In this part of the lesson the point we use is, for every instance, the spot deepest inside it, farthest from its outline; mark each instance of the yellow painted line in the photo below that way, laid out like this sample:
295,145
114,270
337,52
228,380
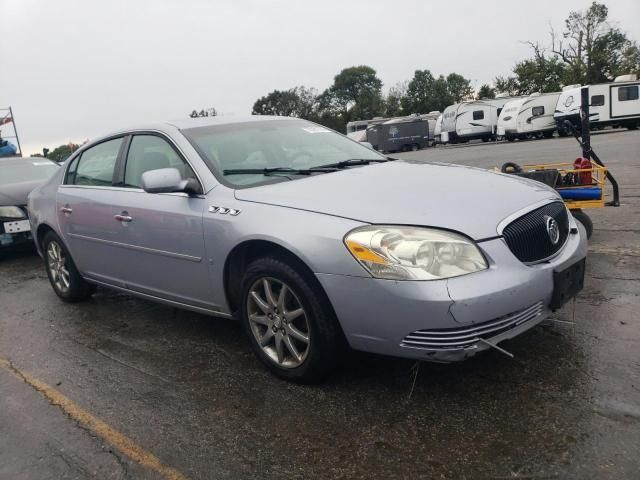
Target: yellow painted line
119,441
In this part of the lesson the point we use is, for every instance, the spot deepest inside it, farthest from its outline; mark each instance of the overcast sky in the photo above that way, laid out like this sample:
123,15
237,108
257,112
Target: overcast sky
73,70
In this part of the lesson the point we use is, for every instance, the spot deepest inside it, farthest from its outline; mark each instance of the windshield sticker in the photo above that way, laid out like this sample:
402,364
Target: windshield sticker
40,164
315,129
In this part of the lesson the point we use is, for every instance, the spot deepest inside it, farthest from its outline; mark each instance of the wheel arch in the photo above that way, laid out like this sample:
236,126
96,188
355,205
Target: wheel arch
41,231
249,250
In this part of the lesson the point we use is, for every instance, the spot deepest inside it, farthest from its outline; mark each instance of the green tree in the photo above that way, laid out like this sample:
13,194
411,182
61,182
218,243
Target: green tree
61,153
486,91
506,85
541,73
295,102
592,50
426,93
459,87
356,94
393,102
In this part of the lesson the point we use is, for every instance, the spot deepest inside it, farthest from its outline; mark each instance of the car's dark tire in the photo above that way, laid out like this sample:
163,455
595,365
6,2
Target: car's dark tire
62,272
305,312
585,220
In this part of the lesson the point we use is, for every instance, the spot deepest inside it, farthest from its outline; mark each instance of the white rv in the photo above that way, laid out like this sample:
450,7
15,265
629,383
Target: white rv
616,104
437,130
477,119
528,117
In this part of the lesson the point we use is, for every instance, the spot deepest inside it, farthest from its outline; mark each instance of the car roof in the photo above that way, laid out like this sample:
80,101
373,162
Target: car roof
19,160
189,122
184,123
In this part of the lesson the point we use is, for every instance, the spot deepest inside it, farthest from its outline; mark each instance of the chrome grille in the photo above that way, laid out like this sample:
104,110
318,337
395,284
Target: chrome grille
528,238
467,336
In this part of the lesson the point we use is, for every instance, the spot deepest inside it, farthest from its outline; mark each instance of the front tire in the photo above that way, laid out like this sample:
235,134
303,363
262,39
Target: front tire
63,275
585,220
290,324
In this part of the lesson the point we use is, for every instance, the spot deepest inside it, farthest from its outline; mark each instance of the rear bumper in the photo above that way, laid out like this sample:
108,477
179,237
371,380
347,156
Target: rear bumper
381,316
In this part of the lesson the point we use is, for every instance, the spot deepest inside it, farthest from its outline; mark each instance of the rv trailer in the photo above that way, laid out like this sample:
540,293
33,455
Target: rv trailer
476,119
437,130
528,117
399,134
614,104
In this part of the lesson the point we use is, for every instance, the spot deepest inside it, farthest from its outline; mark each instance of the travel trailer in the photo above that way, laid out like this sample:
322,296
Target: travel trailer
437,129
399,134
528,117
614,104
476,119
432,118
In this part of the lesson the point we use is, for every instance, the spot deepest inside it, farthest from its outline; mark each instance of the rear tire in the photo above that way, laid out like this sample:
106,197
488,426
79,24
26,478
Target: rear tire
585,220
63,275
297,337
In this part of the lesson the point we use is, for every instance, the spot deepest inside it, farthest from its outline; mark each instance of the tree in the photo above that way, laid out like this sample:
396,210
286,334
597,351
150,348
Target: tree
295,102
459,87
541,73
591,49
393,102
356,94
61,153
425,93
486,91
506,85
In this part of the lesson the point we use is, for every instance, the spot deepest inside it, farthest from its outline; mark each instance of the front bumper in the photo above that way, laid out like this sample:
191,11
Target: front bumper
380,316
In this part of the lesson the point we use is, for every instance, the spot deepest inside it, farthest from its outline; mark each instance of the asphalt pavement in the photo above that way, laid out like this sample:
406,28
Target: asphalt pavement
120,388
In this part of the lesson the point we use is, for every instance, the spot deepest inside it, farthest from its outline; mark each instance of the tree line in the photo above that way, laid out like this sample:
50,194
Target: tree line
589,49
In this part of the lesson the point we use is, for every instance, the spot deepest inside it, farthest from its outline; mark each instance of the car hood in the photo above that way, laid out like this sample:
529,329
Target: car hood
468,200
16,193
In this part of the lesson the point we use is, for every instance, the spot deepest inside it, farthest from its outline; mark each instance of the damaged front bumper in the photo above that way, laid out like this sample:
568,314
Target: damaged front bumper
450,320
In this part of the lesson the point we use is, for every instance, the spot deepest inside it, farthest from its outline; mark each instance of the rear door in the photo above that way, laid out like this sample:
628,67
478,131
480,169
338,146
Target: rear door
160,235
84,207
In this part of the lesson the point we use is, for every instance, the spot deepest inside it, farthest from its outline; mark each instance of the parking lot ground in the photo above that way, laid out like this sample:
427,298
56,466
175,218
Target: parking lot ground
186,390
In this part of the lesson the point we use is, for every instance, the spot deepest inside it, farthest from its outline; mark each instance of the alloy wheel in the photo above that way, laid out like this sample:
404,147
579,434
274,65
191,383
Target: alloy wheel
56,261
278,322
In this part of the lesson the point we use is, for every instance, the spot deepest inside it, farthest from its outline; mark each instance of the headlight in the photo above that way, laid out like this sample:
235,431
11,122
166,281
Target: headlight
413,253
11,212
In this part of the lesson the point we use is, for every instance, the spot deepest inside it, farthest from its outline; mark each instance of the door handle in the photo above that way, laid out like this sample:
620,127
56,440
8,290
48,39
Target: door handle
123,217
66,210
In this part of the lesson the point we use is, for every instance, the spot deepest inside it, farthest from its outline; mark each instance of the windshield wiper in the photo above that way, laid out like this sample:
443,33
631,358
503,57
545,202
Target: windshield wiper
352,162
276,170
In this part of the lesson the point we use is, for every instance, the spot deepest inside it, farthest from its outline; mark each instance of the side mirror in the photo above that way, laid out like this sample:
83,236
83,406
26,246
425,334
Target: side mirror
168,180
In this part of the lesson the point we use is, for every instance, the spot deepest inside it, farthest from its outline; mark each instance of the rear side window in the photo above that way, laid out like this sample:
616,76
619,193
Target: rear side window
628,93
96,165
597,100
478,115
150,152
537,111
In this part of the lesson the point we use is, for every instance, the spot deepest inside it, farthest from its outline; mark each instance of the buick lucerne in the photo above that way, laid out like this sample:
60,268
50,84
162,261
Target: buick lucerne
311,240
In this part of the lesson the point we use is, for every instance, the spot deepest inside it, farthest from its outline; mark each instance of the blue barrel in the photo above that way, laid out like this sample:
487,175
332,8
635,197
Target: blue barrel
581,193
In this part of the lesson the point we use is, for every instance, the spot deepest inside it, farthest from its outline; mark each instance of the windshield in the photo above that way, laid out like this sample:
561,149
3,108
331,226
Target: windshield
25,171
283,144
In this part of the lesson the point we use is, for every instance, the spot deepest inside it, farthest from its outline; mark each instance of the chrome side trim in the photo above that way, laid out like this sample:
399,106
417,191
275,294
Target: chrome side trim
127,189
164,253
173,303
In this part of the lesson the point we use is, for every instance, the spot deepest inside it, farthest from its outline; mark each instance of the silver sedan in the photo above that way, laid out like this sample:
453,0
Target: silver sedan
311,240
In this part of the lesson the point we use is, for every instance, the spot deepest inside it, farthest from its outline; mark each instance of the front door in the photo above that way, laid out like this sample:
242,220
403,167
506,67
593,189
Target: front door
160,235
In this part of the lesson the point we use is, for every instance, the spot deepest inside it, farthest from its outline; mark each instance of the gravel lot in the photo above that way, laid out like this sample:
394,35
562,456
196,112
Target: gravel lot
187,390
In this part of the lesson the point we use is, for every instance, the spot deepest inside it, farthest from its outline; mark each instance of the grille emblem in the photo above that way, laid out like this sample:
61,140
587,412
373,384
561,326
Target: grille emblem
553,230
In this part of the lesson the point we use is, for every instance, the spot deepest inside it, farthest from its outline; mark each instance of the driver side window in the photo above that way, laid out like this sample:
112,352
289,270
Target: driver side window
150,152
